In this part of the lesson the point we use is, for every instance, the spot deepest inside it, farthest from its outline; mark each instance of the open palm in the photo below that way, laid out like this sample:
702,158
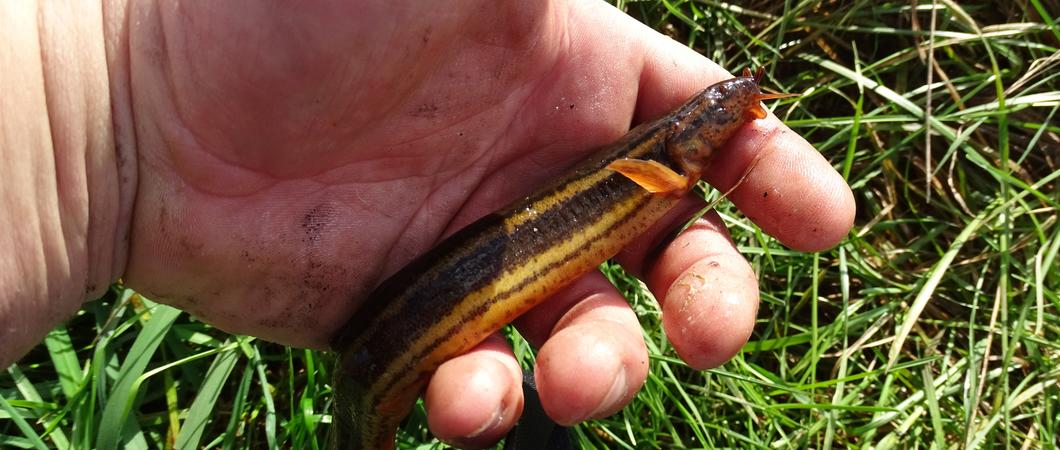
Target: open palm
293,155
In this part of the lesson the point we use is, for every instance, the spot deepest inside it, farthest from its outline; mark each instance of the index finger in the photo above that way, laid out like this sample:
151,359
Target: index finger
792,192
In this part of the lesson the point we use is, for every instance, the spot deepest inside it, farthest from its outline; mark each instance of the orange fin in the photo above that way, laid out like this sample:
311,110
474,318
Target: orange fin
651,175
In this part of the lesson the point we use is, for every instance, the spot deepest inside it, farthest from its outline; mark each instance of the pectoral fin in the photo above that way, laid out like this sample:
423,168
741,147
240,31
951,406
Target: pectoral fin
651,175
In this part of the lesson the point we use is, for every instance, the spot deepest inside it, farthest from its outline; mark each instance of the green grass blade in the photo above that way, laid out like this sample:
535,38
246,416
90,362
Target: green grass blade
266,395
239,406
27,431
113,423
65,360
30,393
202,408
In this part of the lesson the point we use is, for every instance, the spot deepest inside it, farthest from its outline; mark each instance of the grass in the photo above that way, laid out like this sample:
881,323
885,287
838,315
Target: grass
933,325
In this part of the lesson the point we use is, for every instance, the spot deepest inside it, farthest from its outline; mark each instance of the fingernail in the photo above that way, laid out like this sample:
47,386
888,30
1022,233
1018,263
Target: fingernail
492,422
615,394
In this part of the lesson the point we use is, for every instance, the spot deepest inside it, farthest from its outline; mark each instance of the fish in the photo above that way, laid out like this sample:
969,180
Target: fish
487,274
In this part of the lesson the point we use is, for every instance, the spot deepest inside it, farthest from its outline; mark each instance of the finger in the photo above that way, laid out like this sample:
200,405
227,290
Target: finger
792,193
474,399
708,293
593,359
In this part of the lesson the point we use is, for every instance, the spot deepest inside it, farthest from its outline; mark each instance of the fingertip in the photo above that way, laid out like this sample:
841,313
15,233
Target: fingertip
473,400
592,357
708,292
709,312
590,370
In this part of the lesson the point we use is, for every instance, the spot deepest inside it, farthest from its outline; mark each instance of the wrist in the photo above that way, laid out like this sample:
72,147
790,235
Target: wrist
67,179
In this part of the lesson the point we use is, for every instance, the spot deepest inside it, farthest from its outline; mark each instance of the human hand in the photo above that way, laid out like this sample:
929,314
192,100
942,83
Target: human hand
292,156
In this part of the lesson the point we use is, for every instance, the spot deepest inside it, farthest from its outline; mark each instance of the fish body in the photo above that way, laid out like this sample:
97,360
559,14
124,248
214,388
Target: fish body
482,277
